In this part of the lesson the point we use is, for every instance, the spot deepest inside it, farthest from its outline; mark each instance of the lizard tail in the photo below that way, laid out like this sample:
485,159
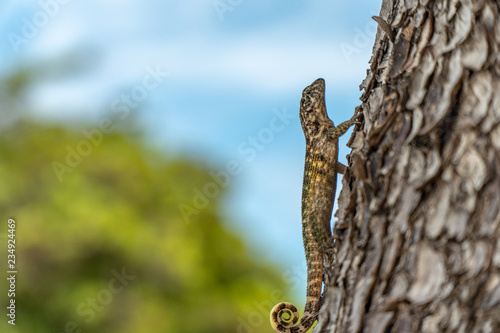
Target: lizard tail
284,318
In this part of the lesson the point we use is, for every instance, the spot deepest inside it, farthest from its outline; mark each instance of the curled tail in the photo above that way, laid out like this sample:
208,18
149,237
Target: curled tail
284,318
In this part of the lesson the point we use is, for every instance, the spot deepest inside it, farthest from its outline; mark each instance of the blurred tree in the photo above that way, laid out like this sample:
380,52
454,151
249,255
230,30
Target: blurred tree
102,245
107,250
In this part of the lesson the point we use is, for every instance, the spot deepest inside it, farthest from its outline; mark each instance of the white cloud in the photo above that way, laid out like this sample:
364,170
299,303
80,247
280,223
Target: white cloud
252,62
195,48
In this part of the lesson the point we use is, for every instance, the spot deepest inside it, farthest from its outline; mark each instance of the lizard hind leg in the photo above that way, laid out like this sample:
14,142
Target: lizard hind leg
284,315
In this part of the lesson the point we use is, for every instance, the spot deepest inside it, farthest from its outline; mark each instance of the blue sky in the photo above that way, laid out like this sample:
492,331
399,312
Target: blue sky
232,66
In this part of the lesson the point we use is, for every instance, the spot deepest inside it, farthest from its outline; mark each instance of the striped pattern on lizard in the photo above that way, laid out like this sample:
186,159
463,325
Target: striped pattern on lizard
318,195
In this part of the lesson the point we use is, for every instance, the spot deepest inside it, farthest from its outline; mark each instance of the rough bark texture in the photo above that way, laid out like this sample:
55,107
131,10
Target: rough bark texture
418,246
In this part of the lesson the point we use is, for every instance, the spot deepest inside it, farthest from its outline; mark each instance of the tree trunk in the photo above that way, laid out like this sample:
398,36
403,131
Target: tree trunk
418,231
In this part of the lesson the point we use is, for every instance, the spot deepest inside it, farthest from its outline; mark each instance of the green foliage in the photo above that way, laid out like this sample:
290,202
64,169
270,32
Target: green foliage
117,213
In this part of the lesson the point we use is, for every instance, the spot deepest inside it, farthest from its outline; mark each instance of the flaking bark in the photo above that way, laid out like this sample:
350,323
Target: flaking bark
418,246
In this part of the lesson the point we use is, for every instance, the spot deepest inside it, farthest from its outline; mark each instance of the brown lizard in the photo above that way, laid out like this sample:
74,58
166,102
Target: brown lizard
318,194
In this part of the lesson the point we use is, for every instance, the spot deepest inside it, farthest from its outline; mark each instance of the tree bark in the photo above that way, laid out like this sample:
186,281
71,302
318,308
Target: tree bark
418,235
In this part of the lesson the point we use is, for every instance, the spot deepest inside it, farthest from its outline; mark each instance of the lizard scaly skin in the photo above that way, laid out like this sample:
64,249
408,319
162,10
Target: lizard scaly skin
318,194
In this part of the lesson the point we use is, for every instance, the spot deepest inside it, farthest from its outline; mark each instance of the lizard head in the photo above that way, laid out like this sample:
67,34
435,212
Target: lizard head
313,114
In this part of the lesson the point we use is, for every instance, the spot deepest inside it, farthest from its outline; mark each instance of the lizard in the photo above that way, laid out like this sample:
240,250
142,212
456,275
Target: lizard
318,195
